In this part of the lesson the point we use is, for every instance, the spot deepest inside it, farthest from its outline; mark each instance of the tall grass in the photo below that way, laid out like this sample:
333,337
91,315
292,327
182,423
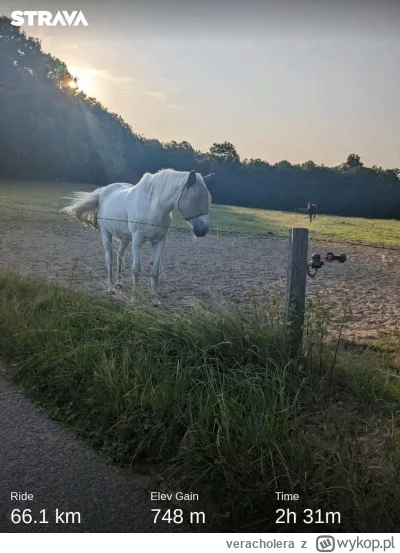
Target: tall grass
210,402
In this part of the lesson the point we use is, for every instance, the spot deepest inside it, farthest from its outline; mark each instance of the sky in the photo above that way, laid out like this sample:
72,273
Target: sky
295,80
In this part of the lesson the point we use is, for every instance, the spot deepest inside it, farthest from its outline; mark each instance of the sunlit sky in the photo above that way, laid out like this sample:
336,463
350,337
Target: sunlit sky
305,80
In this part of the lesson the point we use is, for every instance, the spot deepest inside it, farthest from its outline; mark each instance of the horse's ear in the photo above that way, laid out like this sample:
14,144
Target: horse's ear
192,179
208,177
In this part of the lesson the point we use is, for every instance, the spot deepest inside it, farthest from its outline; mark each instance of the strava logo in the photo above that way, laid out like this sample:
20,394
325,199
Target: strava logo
47,19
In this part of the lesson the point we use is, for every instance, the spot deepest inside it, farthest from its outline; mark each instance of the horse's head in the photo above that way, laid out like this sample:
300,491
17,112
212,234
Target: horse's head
194,203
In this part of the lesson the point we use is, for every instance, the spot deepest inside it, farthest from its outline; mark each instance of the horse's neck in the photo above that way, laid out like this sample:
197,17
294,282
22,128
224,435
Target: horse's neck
168,197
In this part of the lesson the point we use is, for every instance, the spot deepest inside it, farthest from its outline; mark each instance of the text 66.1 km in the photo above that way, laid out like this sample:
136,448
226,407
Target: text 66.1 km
26,516
308,516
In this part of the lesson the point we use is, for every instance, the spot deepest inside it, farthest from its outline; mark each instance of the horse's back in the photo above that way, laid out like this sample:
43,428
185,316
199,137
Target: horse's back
115,188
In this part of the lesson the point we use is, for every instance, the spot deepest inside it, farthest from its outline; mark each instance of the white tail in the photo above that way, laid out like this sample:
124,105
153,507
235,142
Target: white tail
84,207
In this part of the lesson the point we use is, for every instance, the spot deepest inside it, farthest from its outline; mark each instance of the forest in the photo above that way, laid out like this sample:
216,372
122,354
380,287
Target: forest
51,131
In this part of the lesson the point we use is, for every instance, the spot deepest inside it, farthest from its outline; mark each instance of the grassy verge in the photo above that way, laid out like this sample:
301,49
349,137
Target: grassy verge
208,402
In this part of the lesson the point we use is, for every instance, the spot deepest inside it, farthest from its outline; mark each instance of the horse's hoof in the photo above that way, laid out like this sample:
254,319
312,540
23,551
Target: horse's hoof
134,301
111,292
118,285
156,303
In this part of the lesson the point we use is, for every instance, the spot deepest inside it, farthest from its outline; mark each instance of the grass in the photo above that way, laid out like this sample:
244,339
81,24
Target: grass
209,402
46,197
347,229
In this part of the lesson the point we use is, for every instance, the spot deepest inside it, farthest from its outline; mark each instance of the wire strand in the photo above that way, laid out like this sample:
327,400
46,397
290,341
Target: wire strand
218,230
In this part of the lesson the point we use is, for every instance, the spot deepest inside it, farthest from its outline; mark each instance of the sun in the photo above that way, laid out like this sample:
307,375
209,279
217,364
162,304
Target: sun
82,81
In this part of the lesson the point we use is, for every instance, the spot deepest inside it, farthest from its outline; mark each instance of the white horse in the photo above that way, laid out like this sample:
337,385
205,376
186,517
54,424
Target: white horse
143,212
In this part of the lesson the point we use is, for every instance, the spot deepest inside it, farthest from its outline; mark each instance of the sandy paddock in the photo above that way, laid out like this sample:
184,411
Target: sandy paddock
214,269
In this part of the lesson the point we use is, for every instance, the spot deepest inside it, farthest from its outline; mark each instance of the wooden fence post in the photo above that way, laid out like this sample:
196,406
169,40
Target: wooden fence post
296,289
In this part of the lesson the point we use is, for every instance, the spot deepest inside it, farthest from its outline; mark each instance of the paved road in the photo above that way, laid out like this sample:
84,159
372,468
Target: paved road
37,456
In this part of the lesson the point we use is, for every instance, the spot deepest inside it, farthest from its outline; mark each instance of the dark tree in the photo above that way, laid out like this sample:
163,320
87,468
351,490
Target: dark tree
353,161
224,152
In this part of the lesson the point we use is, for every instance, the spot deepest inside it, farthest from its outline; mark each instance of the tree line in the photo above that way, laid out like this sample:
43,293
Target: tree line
50,130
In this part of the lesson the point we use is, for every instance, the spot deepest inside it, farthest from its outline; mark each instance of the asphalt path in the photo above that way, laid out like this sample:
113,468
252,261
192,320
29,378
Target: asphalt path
63,475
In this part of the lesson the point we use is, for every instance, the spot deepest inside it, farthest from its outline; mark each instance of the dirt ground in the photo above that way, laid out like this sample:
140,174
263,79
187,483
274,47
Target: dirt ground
215,269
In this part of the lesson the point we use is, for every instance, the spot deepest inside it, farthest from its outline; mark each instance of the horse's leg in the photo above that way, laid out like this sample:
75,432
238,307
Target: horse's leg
120,256
106,236
158,248
136,267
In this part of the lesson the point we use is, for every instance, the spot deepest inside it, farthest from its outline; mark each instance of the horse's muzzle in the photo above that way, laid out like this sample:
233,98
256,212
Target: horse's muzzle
200,232
200,224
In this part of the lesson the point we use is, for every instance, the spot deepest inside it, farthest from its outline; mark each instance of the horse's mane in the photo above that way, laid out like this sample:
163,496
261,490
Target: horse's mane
165,180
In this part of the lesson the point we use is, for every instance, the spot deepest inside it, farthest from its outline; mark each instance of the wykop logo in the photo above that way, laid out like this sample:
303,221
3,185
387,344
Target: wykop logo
325,544
44,18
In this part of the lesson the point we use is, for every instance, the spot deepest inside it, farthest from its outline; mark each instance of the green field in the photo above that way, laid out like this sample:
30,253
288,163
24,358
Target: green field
224,219
347,229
